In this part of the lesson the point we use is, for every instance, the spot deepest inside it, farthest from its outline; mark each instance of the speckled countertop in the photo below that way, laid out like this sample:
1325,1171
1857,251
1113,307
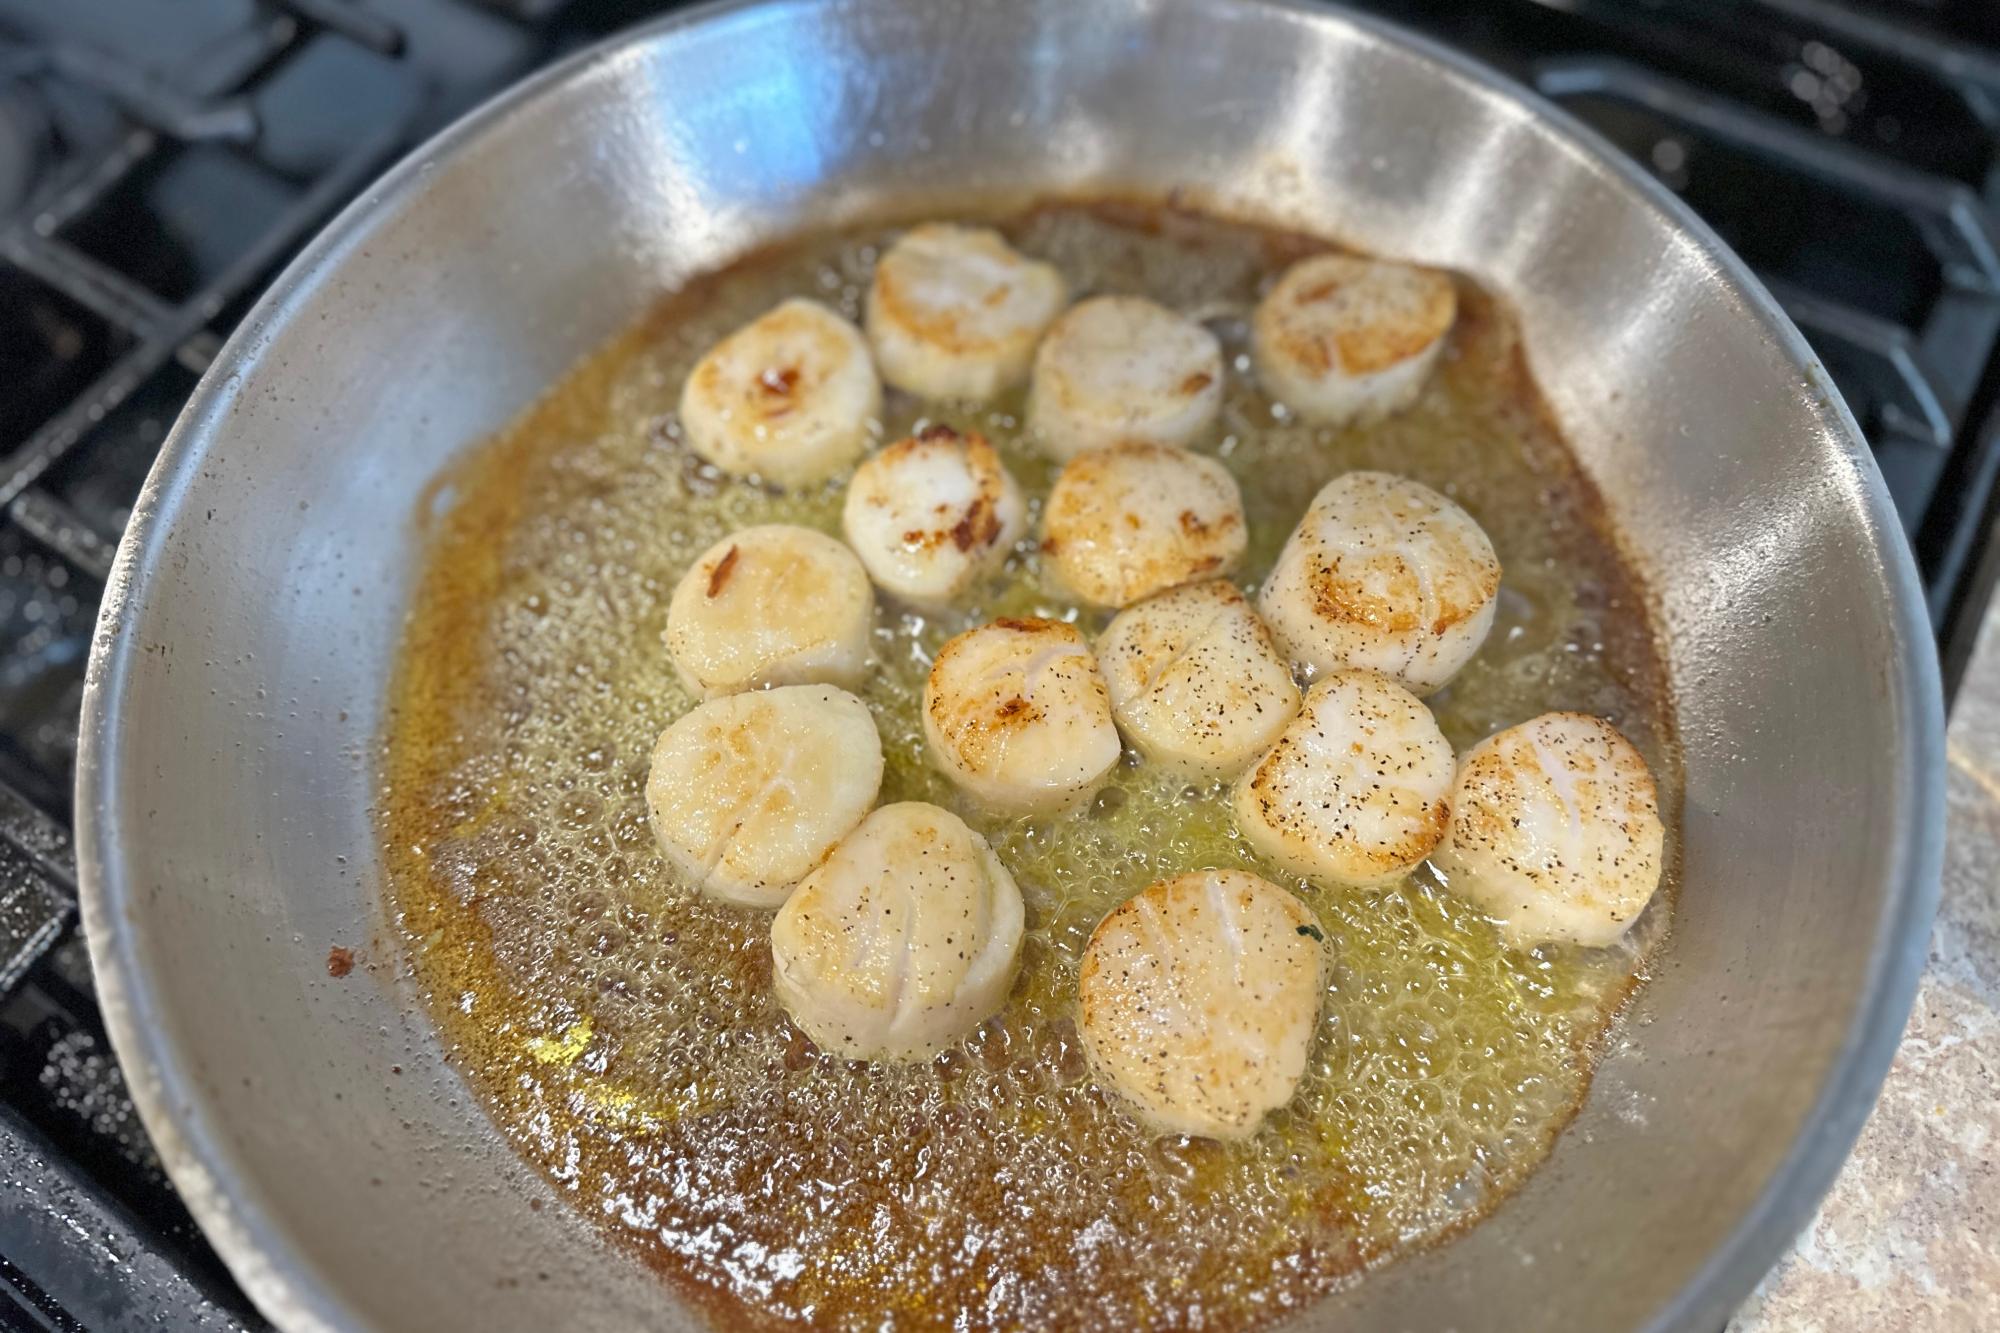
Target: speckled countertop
1909,1238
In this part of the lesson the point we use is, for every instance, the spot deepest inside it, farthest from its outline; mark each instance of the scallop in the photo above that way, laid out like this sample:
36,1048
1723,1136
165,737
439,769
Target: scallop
955,312
1016,713
791,397
750,792
903,941
1199,998
1119,369
1385,574
1196,683
933,515
771,605
1357,789
1126,522
1345,340
1555,831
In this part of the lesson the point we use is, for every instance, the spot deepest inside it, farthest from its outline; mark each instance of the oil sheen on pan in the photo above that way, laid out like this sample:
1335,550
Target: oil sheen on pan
622,1030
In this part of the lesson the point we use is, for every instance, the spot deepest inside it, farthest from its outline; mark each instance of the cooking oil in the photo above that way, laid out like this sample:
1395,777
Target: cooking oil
622,1029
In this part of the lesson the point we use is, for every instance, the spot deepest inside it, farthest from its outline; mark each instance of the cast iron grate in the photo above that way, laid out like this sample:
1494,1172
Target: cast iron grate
159,162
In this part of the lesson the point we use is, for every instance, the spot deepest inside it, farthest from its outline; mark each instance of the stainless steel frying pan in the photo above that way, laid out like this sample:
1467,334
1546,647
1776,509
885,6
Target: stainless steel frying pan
237,682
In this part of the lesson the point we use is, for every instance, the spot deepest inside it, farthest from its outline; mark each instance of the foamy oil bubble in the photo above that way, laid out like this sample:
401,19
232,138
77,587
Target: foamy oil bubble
622,1029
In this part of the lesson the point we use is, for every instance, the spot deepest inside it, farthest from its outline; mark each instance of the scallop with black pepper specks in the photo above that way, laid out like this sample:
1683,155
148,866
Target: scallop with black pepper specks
748,793
1126,522
1385,574
933,514
904,940
1348,340
1555,831
1196,683
1015,712
1198,998
1356,790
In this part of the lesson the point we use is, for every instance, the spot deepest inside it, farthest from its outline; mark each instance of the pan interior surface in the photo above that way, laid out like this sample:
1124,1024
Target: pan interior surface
623,1030
238,685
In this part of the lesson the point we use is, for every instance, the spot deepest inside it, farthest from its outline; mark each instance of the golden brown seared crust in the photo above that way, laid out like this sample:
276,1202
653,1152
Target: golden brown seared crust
932,515
1427,818
891,295
1382,585
1016,712
1129,521
1556,830
955,312
771,605
1360,316
1008,710
1198,999
791,397
978,522
1035,625
773,390
1196,681
718,577
1383,573
1113,369
952,327
1356,790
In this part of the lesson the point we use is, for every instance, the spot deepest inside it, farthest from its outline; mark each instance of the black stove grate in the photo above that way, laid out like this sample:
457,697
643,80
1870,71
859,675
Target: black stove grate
159,162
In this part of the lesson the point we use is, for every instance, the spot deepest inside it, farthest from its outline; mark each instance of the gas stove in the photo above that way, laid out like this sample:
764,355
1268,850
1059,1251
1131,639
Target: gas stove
160,161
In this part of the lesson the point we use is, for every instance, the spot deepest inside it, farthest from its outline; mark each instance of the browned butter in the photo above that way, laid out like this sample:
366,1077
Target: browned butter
622,1031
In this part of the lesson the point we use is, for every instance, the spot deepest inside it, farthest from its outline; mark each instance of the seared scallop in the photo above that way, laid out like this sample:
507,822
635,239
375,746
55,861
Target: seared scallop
748,793
1199,998
1357,789
1196,684
932,515
772,605
1555,831
1017,715
790,397
1125,522
1385,574
1342,339
903,941
1120,368
955,312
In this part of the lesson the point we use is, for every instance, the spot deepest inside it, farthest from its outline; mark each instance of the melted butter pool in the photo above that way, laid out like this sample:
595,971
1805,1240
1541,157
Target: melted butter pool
622,1030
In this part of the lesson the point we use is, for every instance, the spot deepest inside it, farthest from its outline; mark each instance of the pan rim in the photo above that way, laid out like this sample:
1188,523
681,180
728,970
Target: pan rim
286,1284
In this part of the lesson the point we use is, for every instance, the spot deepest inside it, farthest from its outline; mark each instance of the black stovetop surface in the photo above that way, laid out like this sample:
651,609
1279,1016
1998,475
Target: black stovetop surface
161,159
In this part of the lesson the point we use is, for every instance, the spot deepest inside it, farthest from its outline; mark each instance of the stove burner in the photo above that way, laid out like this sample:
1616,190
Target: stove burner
24,143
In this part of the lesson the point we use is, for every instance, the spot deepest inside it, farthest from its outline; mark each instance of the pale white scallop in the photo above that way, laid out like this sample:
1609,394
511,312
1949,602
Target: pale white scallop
932,515
1130,520
748,793
1196,683
1016,713
771,605
1115,369
1357,789
904,940
1555,831
1198,1000
1383,573
955,312
790,397
1341,339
